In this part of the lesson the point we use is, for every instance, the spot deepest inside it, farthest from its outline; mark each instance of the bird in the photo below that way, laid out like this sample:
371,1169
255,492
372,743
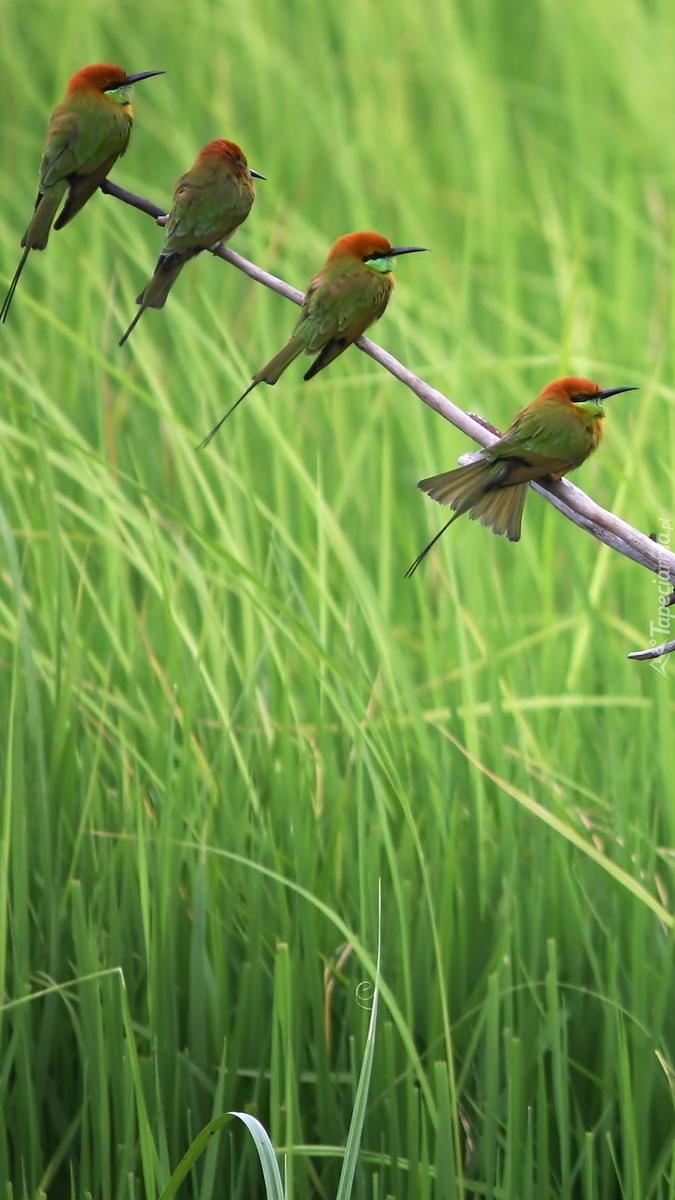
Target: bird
554,434
210,202
348,294
86,135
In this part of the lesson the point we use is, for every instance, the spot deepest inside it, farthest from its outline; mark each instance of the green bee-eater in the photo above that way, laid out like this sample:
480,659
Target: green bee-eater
210,202
551,436
87,133
349,293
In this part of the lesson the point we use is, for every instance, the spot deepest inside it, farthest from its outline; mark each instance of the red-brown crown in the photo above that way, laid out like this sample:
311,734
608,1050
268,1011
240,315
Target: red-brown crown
570,385
360,245
220,148
96,78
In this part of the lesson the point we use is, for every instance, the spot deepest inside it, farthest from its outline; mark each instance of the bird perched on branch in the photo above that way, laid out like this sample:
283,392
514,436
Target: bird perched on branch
349,293
87,133
553,435
210,202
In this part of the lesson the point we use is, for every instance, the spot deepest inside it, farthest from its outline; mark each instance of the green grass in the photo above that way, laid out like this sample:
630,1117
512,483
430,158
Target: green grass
224,714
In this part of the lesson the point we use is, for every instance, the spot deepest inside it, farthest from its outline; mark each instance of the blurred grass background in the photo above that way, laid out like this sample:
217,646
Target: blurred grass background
223,711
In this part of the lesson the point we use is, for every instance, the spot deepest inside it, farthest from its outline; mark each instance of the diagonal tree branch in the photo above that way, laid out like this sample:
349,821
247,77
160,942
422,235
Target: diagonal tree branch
654,652
570,500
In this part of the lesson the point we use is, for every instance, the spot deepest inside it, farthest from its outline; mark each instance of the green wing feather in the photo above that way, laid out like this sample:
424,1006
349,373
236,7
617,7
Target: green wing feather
207,208
209,204
82,186
80,140
336,312
82,145
550,440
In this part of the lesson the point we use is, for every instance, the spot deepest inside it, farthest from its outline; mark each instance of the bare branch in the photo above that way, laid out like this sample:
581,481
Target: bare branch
565,496
655,652
120,193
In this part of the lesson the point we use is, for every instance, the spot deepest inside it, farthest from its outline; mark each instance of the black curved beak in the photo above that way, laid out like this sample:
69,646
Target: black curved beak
256,174
141,75
613,392
405,250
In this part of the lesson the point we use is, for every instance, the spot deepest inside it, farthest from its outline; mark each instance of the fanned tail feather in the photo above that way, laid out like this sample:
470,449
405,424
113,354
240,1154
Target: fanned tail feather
502,510
479,489
482,490
462,488
81,187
